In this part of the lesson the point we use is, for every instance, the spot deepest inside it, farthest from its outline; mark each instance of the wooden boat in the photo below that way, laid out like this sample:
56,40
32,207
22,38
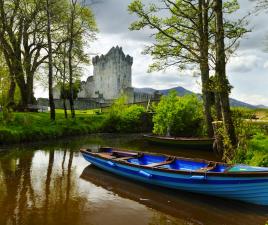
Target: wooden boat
240,182
183,142
177,203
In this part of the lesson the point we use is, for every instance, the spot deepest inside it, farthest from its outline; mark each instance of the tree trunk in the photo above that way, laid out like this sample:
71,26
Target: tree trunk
30,94
64,82
70,51
218,106
11,92
50,65
220,70
207,101
17,69
204,65
65,108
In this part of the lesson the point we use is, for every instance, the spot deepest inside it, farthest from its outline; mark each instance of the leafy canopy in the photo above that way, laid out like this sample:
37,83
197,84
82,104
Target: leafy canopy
178,115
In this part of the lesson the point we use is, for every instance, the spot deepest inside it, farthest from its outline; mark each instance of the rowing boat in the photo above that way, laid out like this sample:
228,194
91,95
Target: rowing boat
183,142
240,182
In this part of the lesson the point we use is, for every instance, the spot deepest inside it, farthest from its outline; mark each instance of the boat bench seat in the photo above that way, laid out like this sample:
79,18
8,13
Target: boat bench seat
161,163
126,158
209,167
106,155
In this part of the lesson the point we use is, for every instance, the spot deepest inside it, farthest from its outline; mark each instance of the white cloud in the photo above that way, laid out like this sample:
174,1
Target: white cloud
247,70
244,62
265,65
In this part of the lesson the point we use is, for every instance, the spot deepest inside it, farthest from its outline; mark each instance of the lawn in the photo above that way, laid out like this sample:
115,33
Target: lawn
37,126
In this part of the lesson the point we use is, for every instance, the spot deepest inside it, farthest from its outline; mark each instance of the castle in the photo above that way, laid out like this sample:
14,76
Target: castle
112,77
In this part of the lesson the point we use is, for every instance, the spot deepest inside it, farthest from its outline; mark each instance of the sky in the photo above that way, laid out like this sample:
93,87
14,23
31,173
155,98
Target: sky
247,69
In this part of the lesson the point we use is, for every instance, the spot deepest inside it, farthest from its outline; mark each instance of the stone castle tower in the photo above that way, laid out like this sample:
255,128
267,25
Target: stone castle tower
111,76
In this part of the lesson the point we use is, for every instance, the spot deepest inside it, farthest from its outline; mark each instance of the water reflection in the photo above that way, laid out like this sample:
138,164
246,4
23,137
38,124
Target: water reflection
190,208
55,185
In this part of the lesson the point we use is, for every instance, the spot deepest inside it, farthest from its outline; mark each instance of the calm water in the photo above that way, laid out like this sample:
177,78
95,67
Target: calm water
51,184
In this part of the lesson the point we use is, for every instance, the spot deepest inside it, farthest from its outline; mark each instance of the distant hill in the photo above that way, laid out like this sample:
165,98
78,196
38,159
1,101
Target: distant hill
182,91
262,106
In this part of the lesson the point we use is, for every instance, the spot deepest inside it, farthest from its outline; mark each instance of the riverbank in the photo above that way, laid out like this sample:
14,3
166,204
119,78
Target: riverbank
28,127
31,127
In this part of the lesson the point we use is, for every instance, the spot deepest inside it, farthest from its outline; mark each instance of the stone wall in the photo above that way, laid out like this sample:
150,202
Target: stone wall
111,76
79,104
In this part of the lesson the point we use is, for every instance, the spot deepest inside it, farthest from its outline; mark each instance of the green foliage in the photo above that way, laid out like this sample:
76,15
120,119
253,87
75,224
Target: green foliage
124,118
4,84
176,26
252,137
37,126
65,89
255,153
178,115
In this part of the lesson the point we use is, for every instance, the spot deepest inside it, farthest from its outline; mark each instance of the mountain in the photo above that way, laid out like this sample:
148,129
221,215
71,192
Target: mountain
262,106
182,91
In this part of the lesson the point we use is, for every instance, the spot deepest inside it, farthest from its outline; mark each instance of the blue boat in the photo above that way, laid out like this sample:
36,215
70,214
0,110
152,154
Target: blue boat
240,182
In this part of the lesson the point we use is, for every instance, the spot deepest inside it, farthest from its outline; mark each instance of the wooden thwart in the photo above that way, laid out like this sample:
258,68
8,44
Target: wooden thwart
161,163
106,155
208,168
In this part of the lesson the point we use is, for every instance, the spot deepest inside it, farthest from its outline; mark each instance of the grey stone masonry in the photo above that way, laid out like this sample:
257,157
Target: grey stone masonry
111,76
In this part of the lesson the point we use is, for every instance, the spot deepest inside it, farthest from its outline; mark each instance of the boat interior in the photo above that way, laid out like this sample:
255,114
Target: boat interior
161,161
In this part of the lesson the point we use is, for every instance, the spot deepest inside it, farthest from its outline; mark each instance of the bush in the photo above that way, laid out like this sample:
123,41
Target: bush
178,116
254,152
124,118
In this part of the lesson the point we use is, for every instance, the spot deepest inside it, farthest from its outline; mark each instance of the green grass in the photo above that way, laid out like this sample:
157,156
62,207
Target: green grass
37,126
255,153
80,112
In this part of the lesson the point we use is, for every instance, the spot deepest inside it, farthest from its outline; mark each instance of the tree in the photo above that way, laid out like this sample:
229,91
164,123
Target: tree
60,64
177,115
184,38
22,38
70,57
4,84
81,22
261,4
222,82
50,62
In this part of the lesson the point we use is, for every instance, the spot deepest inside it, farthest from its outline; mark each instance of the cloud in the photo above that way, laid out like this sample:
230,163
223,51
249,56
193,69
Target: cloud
265,65
244,62
247,70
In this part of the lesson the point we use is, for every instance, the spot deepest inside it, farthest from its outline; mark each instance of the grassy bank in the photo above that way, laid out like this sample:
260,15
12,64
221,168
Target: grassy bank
26,127
255,153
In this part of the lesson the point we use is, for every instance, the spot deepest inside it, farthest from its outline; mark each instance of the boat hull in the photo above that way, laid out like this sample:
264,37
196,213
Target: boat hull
248,189
186,143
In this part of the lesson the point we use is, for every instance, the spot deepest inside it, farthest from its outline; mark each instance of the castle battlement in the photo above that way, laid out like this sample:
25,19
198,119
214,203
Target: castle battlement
114,54
112,77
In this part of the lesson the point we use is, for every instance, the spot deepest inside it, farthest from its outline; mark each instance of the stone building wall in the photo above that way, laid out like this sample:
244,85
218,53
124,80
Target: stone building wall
111,75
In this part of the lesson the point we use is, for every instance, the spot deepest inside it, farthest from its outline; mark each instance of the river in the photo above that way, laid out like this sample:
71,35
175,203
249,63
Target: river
49,183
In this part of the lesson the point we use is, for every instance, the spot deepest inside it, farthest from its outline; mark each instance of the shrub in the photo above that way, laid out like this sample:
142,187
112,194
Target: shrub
254,152
124,118
178,115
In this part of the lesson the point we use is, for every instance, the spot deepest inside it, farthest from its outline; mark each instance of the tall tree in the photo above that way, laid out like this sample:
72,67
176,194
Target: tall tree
50,62
222,82
81,22
184,38
22,39
4,84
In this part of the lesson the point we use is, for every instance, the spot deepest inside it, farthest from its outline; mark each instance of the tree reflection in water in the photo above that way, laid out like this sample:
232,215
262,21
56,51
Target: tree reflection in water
48,198
56,186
